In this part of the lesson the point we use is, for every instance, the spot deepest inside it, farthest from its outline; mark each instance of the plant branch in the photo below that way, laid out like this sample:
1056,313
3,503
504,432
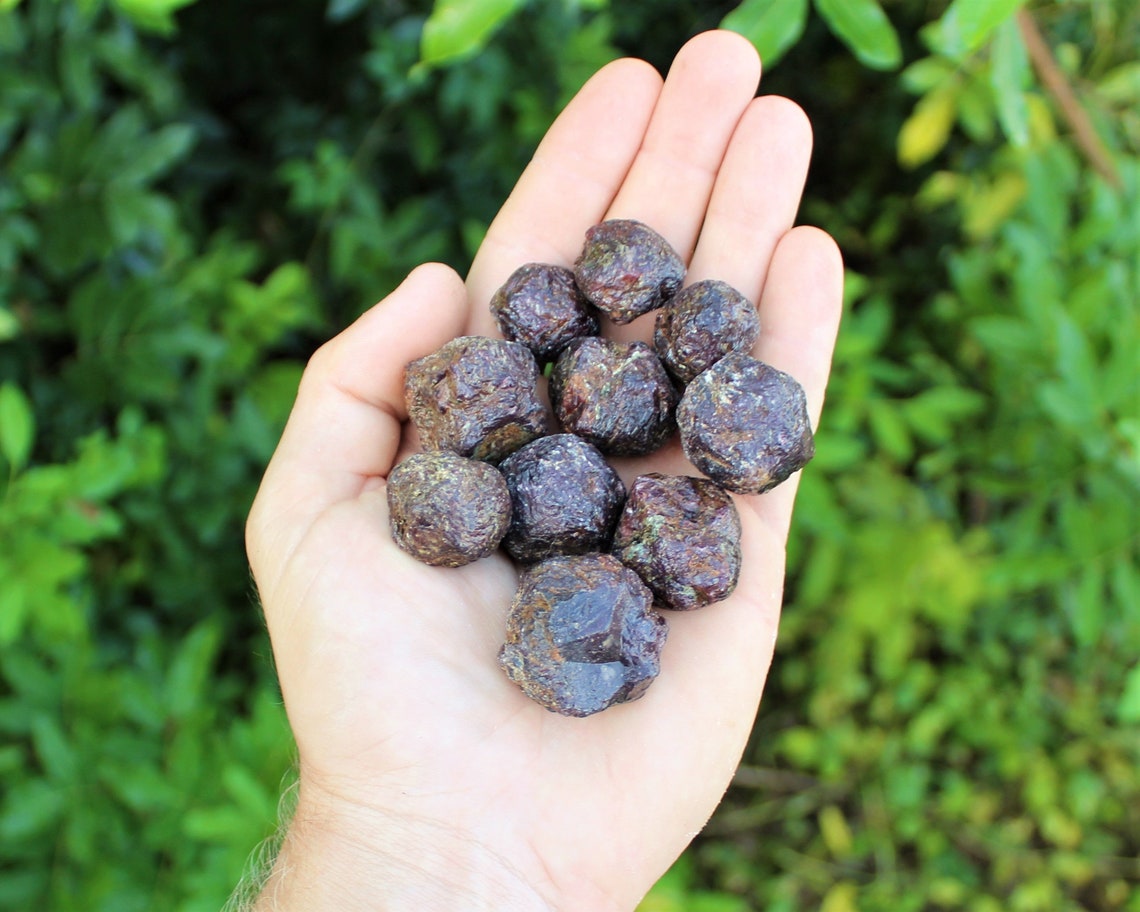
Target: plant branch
1055,82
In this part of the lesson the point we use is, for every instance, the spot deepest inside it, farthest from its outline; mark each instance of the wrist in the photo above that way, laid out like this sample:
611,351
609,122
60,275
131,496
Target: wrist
349,858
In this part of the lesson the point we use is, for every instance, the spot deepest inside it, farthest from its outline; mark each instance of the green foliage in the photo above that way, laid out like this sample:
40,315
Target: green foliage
772,26
953,718
153,15
458,28
956,675
864,27
966,25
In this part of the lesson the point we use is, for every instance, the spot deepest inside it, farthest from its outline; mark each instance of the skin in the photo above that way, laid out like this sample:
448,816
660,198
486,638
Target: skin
427,780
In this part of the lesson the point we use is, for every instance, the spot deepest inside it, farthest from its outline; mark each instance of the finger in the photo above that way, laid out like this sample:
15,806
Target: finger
756,196
753,204
799,318
710,84
570,182
345,426
719,657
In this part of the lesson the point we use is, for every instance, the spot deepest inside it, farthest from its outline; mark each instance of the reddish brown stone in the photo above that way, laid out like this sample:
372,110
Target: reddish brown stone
541,307
627,269
581,635
614,394
447,510
476,397
702,324
565,498
682,536
745,424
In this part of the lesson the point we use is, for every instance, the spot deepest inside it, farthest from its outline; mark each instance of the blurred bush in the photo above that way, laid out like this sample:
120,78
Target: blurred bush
194,195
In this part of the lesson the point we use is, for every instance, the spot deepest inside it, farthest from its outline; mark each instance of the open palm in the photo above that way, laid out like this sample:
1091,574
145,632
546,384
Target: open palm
425,774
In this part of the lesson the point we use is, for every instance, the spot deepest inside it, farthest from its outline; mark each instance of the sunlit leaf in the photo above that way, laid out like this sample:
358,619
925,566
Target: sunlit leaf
773,26
835,830
840,898
9,325
1128,707
458,28
987,209
967,24
1009,73
923,75
864,27
17,425
926,131
1121,85
153,15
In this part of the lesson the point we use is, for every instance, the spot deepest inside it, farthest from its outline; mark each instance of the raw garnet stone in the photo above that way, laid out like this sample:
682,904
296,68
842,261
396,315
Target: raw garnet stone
565,498
615,394
447,510
745,424
627,269
476,397
682,536
541,307
582,635
702,324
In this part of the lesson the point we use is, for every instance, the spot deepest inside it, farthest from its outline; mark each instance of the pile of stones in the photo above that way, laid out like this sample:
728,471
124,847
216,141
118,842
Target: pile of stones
597,560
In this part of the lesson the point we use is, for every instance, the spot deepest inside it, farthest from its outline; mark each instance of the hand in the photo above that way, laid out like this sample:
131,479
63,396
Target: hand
427,779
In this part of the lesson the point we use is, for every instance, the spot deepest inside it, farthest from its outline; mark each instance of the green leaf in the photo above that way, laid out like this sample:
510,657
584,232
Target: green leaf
157,153
934,413
153,15
967,24
16,605
864,27
458,28
1128,709
30,811
1009,74
53,749
888,429
190,669
1083,600
249,794
9,325
340,10
923,75
1076,361
1121,86
17,426
926,130
773,26
214,824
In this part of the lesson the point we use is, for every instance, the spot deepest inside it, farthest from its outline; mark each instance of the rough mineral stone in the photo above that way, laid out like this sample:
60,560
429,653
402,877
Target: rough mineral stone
565,498
627,269
701,324
581,634
745,424
447,510
541,307
682,536
476,397
617,395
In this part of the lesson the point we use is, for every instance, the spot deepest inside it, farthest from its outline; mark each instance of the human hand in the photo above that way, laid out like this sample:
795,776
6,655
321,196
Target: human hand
427,779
